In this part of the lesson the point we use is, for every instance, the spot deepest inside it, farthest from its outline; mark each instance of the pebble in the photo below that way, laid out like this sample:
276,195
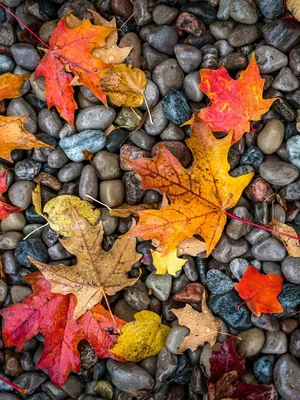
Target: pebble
159,121
137,297
227,249
291,192
30,380
173,132
73,386
50,122
190,87
20,193
25,55
7,34
270,138
286,80
152,56
168,75
166,365
129,377
238,266
175,338
293,150
188,57
236,229
250,342
176,107
226,306
286,371
18,293
243,11
191,293
20,107
221,29
282,34
95,118
205,12
290,268
142,140
33,247
163,38
105,389
294,60
189,23
88,184
223,48
70,171
151,95
91,140
132,40
270,59
270,10
107,165
115,139
243,35
259,190
122,7
178,149
217,282
27,169
276,343
14,222
278,173
3,291
294,346
132,183
160,285
48,180
57,252
263,368
109,222
269,250
289,297
142,16
164,15
252,156
288,325
6,64
124,311
267,322
129,118
112,192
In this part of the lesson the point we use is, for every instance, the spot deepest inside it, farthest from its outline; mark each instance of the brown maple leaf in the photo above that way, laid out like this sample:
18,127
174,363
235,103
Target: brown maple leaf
97,272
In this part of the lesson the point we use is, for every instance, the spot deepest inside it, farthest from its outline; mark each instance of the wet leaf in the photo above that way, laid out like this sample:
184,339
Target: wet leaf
10,85
167,264
292,245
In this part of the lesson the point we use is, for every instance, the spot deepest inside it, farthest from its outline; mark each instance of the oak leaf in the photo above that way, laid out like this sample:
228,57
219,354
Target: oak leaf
52,315
13,136
234,102
145,337
203,326
292,245
97,272
5,209
57,211
199,195
10,85
260,291
167,264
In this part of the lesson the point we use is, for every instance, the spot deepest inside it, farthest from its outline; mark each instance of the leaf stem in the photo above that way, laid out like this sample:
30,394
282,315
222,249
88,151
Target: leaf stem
253,129
25,26
261,226
11,384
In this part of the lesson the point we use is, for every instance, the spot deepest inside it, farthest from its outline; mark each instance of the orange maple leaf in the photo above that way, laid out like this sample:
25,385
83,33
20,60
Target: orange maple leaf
10,85
260,291
234,102
70,51
199,196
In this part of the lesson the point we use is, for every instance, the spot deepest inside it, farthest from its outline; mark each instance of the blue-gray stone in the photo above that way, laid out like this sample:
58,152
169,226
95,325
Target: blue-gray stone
218,282
32,247
206,12
289,297
293,150
6,64
4,387
39,396
176,107
270,9
226,306
90,140
263,368
33,217
252,156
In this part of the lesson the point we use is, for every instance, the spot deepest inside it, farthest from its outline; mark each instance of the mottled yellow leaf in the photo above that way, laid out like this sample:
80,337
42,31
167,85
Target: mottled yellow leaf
292,245
58,213
145,337
169,263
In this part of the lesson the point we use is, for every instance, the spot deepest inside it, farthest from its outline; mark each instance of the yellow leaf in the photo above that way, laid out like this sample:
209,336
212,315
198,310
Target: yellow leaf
10,85
294,7
169,263
145,337
125,210
191,247
292,245
37,200
58,213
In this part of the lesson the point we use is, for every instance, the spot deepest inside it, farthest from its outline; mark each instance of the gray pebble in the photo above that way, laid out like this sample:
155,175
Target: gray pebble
287,371
293,150
109,222
70,172
190,87
269,250
96,117
238,266
243,35
136,296
112,192
222,29
270,138
236,229
227,249
278,173
27,169
250,342
3,290
159,121
152,56
166,365
164,15
9,240
290,268
160,284
168,75
270,59
175,338
19,292
243,11
20,193
20,107
107,165
88,184
151,95
6,64
188,57
7,34
218,282
172,132
224,48
143,140
25,55
276,343
163,38
49,122
14,222
57,252
286,80
57,158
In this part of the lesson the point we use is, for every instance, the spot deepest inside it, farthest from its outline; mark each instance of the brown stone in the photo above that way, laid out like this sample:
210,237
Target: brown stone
191,293
48,180
259,191
288,325
124,8
12,364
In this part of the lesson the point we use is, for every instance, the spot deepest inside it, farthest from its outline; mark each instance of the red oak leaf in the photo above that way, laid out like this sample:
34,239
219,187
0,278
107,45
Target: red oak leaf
260,291
5,209
51,314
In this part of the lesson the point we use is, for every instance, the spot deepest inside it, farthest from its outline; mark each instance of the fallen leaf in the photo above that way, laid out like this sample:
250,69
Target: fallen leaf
191,247
167,264
13,136
294,7
199,196
70,52
292,245
10,85
260,291
125,210
97,272
234,102
145,337
124,85
52,315
5,209
203,326
57,211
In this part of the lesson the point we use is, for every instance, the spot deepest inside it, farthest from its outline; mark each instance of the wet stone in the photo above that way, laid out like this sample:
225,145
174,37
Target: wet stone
107,165
168,75
205,12
236,229
175,107
285,81
115,139
228,249
270,10
50,122
137,297
222,29
188,57
152,56
30,380
282,34
294,58
243,11
190,87
20,193
70,171
32,247
290,267
88,184
160,285
250,342
27,169
294,345
175,338
276,343
159,120
266,322
166,364
289,297
243,34
95,118
286,371
269,250
278,173
291,191
218,283
151,95
270,59
238,266
25,55
163,38
164,15
293,150
252,156
263,368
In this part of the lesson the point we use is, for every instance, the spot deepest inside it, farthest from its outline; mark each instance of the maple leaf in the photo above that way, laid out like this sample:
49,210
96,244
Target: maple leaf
97,272
260,291
199,196
169,263
51,315
203,326
234,102
5,209
294,7
145,337
13,136
10,85
70,51
292,245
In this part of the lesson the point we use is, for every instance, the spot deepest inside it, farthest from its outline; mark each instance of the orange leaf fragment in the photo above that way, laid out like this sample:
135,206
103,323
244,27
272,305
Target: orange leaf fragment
260,291
234,102
10,85
13,136
199,195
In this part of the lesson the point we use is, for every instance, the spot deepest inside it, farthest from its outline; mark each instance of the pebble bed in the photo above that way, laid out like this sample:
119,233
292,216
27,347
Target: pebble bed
172,40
